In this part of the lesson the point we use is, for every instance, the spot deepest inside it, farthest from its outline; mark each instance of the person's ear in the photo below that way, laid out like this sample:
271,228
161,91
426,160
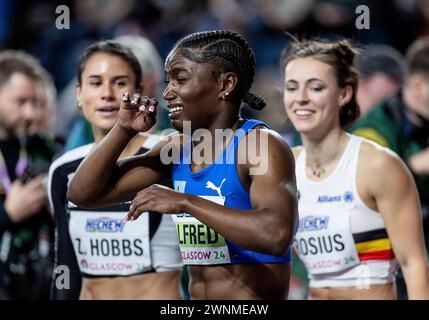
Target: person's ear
228,83
345,96
78,96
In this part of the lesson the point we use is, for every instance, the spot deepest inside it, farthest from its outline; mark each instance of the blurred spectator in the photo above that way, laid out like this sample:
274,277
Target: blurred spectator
423,6
381,70
401,122
89,21
45,117
266,81
5,10
283,14
26,229
150,61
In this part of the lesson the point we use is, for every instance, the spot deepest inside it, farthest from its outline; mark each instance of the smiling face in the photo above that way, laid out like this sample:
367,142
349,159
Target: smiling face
312,97
103,80
192,93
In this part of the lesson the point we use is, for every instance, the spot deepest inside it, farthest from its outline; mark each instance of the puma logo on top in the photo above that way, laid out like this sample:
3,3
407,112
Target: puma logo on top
211,185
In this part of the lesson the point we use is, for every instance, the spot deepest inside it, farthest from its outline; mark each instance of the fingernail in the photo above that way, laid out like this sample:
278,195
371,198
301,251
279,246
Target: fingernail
142,108
136,98
125,96
151,108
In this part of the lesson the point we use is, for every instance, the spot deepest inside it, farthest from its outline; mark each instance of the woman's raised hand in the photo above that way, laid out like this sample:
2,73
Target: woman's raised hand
137,113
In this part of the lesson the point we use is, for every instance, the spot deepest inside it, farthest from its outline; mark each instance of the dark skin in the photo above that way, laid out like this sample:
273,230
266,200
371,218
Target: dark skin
268,228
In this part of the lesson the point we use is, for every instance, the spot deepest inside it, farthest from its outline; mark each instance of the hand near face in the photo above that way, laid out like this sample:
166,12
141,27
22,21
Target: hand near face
137,113
156,198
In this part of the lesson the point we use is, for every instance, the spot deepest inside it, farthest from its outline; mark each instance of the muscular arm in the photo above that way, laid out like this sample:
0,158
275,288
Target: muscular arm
395,194
101,180
269,227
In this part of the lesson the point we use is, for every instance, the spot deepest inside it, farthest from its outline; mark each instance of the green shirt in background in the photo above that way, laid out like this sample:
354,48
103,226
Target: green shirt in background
388,125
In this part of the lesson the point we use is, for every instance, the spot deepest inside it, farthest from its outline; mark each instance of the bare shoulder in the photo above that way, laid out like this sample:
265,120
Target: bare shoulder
276,137
263,147
379,165
376,157
260,137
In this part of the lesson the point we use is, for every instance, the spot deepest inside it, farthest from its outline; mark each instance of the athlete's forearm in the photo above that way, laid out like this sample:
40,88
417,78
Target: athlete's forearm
260,230
94,173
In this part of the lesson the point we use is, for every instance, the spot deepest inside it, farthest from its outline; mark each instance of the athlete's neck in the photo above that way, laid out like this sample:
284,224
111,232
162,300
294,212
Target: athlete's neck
224,120
209,148
321,153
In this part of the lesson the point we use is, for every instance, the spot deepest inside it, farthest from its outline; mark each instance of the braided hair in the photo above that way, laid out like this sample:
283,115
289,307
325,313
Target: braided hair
229,52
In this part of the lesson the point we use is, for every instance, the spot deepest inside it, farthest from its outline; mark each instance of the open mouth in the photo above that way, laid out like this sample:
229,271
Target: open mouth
175,111
108,111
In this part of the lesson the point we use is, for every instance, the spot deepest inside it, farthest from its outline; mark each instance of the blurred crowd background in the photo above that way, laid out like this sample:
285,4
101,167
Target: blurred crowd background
30,26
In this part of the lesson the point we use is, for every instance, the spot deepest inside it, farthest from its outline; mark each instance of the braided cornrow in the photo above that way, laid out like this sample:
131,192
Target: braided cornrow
228,51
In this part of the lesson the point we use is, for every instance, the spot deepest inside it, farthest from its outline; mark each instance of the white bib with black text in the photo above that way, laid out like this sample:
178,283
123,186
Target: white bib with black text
325,242
107,245
199,244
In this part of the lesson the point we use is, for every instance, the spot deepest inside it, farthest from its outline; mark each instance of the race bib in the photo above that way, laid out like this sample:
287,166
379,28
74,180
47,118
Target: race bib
199,244
107,245
325,243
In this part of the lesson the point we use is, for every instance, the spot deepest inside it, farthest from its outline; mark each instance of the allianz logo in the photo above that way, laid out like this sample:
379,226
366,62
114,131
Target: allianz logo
346,197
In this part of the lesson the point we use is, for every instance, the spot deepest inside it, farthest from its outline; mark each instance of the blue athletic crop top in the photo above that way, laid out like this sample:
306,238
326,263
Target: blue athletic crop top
220,183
